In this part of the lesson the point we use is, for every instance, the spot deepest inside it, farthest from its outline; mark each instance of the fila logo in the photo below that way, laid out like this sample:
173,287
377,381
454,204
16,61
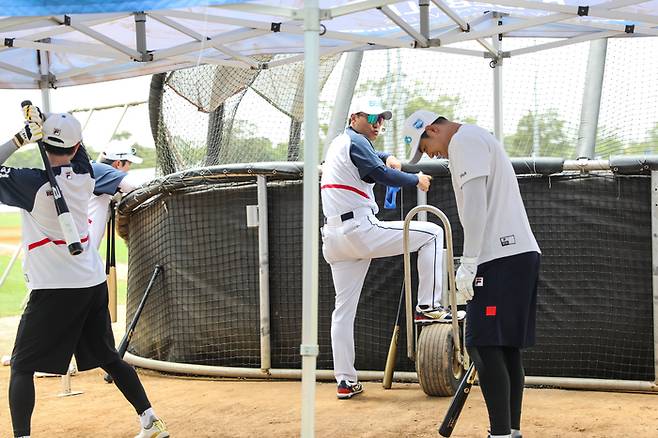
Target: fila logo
479,282
508,240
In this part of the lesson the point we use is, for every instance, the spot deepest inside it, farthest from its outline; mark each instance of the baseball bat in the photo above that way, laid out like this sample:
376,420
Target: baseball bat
110,265
392,355
393,347
125,341
64,216
457,403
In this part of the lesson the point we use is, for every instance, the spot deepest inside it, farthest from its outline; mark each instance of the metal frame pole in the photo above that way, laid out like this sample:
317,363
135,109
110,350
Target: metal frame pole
654,266
498,85
309,347
264,275
589,112
344,96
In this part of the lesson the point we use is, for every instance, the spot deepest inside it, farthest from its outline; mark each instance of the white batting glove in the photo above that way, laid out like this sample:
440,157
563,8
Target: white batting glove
31,133
465,276
32,113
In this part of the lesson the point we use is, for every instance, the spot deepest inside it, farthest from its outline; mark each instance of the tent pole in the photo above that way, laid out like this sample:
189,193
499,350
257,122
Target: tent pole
343,97
654,266
497,65
424,7
589,112
44,83
309,347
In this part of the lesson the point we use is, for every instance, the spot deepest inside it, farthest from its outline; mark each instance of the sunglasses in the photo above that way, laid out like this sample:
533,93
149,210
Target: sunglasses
373,119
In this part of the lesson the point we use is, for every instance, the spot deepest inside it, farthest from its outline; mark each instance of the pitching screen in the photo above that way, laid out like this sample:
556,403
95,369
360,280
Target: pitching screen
595,293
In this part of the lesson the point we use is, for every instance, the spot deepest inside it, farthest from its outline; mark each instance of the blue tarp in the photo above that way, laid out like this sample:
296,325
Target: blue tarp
56,7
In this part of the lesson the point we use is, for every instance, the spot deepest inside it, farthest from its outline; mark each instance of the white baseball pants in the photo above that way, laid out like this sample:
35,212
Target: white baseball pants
348,247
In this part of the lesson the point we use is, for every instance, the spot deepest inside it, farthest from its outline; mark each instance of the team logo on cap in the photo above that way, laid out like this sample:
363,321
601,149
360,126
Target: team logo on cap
419,124
407,139
57,132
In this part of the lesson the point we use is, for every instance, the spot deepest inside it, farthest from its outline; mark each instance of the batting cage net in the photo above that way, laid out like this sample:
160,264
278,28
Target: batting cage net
213,115
595,317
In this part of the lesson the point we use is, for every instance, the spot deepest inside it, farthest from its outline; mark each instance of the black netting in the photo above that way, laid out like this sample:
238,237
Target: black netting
595,300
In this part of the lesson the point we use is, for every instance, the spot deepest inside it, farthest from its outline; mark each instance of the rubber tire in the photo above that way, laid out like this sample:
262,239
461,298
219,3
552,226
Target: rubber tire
439,373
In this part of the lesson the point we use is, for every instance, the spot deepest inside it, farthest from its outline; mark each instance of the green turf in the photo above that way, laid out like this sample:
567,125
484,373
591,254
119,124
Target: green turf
10,220
13,291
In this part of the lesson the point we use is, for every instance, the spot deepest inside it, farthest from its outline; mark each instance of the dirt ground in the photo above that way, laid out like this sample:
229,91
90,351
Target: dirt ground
230,408
200,408
10,236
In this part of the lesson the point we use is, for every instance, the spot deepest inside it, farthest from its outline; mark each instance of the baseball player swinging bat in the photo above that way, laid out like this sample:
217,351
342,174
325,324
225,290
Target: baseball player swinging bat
63,215
457,403
125,341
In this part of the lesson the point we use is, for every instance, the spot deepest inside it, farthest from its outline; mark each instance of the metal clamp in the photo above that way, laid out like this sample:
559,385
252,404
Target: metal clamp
309,350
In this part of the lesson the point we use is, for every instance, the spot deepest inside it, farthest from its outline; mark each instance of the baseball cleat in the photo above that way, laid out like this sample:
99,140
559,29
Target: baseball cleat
348,389
438,314
157,429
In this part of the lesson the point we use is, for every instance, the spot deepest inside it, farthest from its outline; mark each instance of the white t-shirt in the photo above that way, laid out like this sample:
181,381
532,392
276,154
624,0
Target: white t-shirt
47,263
474,153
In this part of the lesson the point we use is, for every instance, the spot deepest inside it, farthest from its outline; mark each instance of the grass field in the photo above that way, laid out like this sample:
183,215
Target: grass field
13,291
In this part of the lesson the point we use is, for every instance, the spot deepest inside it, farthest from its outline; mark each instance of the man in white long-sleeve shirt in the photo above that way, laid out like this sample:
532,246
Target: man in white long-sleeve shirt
111,177
500,263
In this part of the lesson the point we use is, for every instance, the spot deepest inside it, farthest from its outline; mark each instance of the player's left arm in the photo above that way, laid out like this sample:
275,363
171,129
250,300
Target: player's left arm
389,160
474,215
470,161
107,179
372,169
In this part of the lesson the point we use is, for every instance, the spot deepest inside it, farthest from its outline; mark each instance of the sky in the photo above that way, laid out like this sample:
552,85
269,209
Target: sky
547,80
101,125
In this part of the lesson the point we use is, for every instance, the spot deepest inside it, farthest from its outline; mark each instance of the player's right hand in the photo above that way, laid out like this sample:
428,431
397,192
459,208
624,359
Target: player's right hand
465,276
32,113
31,133
423,181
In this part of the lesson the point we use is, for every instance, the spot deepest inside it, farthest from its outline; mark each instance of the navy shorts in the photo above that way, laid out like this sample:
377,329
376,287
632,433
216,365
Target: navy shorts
504,306
58,323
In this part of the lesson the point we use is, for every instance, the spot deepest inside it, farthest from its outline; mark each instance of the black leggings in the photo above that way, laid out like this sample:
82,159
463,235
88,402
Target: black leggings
21,393
501,378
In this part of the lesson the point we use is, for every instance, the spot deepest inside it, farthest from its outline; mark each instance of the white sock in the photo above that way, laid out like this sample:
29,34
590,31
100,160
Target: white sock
24,436
147,418
516,432
501,436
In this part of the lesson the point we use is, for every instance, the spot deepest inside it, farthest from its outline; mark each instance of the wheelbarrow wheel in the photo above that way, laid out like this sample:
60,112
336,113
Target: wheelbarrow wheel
437,364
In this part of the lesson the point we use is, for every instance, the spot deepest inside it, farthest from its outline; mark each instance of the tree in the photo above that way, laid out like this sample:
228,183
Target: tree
553,140
646,147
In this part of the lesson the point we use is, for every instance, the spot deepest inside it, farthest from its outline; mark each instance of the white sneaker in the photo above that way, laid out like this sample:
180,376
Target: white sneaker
156,430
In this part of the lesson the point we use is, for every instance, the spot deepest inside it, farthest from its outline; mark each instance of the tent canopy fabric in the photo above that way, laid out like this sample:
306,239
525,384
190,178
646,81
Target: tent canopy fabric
70,42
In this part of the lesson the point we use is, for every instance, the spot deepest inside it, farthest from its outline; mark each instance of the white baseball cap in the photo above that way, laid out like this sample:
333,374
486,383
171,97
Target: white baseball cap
122,151
62,130
369,105
413,128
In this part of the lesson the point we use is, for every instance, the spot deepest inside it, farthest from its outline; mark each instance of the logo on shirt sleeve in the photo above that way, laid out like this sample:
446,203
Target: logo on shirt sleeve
4,172
508,240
